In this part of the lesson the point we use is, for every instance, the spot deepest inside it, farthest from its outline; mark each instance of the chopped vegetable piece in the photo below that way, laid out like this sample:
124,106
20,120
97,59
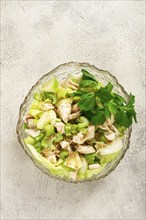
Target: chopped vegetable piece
90,158
51,96
83,122
63,154
68,129
59,137
50,86
39,137
49,129
37,96
29,140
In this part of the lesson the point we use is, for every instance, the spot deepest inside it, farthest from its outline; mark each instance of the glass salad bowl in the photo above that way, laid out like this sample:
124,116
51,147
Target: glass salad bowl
61,72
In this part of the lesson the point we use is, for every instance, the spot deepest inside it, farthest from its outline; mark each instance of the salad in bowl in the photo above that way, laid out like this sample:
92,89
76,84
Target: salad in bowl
75,123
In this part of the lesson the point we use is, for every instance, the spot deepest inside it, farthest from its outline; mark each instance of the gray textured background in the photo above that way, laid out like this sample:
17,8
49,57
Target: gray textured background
36,37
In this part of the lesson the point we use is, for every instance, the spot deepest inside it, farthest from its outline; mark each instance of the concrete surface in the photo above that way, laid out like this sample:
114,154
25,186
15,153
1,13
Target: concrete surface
36,37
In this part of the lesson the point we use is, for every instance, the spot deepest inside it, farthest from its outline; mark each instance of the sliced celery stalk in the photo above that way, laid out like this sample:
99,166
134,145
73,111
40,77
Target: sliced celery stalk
49,130
29,140
50,86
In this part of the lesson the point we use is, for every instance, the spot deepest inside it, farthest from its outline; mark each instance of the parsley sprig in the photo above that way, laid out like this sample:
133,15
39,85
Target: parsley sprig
97,103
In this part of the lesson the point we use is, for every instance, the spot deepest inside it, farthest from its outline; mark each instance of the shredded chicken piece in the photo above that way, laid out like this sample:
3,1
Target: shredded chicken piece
73,161
27,117
85,149
99,145
60,127
52,158
74,115
66,145
113,128
70,83
46,152
75,108
34,133
94,166
79,138
110,135
111,132
47,106
104,127
57,152
31,124
90,132
64,111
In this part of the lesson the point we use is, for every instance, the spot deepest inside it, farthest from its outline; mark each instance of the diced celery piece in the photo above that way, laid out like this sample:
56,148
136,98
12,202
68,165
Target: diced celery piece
29,140
83,122
39,137
35,113
51,96
46,118
74,129
50,86
60,161
38,150
83,130
37,96
47,101
43,120
62,93
52,115
68,129
45,142
57,120
49,130
37,144
90,158
59,137
35,105
64,154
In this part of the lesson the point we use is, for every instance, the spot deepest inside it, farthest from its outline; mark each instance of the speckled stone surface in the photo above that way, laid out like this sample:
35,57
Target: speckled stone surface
36,37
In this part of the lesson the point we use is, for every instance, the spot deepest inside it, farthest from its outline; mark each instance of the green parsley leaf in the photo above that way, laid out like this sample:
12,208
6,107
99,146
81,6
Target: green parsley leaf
87,75
129,108
104,95
87,102
90,158
112,107
130,103
122,119
119,100
86,83
109,87
99,117
106,111
98,105
78,93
